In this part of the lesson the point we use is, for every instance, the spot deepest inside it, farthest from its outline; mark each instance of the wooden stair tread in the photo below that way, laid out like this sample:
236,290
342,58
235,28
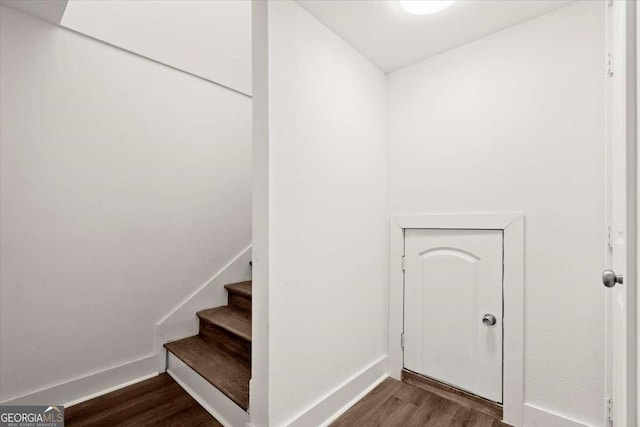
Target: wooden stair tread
227,373
242,288
229,318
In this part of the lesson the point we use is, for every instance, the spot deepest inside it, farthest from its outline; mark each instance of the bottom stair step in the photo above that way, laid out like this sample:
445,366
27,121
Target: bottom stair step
226,372
210,398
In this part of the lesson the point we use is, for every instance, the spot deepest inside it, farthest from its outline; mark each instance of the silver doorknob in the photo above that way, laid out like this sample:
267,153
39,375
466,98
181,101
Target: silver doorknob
489,319
610,278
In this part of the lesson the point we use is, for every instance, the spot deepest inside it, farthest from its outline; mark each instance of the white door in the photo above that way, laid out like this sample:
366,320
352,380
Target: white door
621,297
453,308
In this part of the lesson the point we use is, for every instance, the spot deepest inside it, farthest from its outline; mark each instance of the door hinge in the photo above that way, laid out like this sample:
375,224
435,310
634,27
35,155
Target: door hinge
609,65
609,409
404,261
402,340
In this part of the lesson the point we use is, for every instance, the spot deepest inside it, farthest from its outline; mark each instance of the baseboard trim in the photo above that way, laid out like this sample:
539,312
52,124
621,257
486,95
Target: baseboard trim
538,417
329,408
90,386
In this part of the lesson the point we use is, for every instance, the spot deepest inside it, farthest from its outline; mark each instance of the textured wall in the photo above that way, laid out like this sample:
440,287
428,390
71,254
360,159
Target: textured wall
327,226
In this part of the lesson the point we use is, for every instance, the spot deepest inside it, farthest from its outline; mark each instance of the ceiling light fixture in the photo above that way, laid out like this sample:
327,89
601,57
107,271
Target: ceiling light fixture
425,7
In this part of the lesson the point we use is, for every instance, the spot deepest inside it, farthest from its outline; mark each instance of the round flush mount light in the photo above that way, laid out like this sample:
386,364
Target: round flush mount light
425,7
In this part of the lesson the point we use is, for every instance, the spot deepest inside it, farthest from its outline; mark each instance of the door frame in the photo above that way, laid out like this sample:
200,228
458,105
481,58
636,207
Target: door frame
627,65
512,226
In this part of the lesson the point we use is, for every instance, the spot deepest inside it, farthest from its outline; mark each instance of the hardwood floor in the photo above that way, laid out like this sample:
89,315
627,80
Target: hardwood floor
158,401
397,404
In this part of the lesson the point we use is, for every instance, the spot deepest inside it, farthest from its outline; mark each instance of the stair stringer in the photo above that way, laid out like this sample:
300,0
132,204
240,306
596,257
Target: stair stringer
182,321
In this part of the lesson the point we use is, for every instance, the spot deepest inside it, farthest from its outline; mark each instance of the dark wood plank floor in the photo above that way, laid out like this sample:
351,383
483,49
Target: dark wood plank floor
158,401
397,404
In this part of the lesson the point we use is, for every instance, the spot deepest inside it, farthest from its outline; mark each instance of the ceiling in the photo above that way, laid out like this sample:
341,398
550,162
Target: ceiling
224,25
391,38
49,10
207,39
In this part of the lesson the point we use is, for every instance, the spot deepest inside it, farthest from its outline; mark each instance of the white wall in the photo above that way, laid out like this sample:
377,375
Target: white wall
327,214
124,186
259,385
515,122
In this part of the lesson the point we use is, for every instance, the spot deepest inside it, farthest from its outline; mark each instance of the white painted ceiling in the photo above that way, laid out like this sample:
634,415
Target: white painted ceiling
208,39
391,38
224,25
49,10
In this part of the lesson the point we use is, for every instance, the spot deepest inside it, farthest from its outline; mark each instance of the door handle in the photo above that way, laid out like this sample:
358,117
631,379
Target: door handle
610,278
489,319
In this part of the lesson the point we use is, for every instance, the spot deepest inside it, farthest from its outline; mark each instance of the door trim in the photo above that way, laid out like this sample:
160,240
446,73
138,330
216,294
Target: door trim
624,41
512,225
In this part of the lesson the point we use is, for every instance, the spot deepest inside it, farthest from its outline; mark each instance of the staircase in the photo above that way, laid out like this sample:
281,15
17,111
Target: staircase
220,354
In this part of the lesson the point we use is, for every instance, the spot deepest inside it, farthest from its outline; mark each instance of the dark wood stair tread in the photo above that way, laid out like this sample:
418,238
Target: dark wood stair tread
229,318
227,373
242,288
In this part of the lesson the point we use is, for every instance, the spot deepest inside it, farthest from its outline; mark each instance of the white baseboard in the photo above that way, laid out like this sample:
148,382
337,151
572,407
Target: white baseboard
537,417
89,386
210,398
337,402
182,322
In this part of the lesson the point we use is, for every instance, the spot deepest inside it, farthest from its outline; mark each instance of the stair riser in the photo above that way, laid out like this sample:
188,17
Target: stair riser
241,302
222,338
